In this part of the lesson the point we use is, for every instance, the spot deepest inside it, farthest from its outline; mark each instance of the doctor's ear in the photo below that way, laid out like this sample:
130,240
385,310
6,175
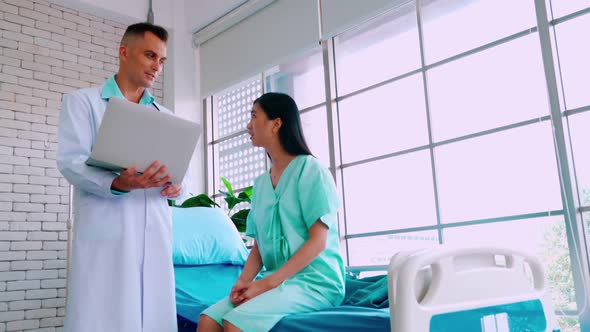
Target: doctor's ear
123,51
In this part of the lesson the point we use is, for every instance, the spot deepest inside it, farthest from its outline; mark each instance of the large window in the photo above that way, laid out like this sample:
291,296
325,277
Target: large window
572,67
303,79
444,133
574,70
448,140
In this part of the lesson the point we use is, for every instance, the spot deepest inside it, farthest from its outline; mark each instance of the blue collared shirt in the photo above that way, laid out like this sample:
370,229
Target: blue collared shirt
111,89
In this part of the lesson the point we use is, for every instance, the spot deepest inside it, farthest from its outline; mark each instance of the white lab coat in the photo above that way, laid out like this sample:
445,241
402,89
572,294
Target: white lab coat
121,276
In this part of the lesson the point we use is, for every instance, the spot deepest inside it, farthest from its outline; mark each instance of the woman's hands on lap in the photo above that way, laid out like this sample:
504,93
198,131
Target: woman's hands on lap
236,292
245,291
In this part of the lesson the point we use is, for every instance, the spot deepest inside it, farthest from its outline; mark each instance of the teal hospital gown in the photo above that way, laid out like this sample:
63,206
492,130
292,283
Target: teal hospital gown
279,220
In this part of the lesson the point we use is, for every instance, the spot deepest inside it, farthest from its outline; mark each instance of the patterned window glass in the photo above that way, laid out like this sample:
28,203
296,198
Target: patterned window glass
234,157
240,162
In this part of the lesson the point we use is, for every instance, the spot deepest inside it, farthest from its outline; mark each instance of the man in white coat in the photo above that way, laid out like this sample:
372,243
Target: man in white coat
121,277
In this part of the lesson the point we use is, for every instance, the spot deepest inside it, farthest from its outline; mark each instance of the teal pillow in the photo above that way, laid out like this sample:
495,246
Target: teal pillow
203,236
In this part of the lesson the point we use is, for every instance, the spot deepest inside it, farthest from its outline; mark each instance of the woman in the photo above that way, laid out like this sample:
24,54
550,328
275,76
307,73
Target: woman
293,221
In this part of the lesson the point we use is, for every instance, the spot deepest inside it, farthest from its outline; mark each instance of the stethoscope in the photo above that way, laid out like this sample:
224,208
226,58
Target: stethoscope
156,106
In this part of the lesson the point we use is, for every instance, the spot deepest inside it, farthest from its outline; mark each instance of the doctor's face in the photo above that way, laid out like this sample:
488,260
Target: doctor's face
262,130
143,59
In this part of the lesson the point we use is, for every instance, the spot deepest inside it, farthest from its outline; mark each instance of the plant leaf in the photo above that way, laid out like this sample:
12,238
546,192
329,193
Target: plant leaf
199,200
232,201
244,197
239,219
248,191
228,186
206,199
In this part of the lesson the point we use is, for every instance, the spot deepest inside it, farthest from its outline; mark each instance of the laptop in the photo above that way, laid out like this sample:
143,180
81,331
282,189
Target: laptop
133,134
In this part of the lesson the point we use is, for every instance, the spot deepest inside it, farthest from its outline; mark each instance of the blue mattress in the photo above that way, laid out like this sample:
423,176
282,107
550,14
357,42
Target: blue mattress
198,287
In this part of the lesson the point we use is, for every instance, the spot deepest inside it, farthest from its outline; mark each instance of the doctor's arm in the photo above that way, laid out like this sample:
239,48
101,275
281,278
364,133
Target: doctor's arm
75,138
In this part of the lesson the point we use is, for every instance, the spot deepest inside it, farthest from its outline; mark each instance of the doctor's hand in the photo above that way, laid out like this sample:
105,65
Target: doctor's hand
154,176
171,190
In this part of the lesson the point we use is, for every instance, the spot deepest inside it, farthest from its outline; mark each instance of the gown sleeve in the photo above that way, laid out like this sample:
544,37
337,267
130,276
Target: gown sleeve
317,194
75,138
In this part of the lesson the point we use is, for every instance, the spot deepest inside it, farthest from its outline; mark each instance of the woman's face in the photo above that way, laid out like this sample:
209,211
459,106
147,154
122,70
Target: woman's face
262,130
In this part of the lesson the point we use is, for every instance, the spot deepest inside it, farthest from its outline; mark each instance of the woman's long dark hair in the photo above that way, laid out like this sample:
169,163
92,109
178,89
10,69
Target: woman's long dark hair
280,105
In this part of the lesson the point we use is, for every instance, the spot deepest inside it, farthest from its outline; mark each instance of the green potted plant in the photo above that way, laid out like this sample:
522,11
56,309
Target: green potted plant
238,218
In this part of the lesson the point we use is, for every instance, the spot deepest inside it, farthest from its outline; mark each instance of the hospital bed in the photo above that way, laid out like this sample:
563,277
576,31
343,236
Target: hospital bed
442,289
197,287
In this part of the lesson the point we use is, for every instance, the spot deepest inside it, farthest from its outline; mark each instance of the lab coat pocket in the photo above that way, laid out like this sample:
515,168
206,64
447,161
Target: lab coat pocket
98,219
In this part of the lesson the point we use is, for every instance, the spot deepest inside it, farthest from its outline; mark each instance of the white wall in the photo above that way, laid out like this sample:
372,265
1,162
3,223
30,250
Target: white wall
181,90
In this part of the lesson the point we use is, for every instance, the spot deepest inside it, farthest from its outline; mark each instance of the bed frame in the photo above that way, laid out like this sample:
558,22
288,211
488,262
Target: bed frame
444,287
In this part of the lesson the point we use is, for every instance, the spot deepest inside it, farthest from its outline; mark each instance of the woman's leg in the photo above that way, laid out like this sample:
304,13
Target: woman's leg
229,327
211,319
208,324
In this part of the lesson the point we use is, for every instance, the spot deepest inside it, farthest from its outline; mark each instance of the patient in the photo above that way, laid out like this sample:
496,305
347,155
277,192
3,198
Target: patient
293,221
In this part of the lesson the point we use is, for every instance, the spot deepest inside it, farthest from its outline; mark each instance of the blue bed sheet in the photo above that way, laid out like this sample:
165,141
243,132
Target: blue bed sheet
198,287
342,318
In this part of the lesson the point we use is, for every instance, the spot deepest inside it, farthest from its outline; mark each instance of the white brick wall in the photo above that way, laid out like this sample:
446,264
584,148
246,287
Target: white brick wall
45,51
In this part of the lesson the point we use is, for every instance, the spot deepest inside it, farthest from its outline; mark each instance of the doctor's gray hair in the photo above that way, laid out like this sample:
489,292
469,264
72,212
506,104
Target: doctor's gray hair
139,29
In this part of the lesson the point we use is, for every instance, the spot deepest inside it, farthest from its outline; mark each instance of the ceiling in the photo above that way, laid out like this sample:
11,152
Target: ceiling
200,13
197,13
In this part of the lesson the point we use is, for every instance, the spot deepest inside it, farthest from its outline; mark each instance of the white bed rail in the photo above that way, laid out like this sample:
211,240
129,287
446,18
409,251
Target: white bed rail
449,279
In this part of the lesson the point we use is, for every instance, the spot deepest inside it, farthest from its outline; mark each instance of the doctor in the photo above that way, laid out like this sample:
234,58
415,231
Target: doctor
121,276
